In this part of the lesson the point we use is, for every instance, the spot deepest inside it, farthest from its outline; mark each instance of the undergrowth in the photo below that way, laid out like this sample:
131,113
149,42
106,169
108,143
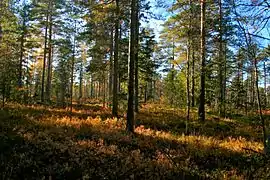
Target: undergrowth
51,143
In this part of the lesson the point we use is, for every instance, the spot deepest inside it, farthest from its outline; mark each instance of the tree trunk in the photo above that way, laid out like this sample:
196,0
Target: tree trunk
136,58
48,85
188,93
91,88
111,67
115,65
193,78
221,62
81,84
172,70
99,89
20,83
253,103
44,58
72,69
225,80
266,144
104,91
188,69
95,89
202,89
119,84
83,59
265,83
238,83
132,51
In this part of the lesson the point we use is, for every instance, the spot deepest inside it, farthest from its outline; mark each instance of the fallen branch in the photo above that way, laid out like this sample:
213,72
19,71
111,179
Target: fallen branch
169,157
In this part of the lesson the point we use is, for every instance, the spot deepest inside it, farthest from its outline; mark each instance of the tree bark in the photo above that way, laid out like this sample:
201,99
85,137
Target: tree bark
136,58
104,91
188,69
253,103
83,59
99,88
173,76
238,82
44,57
202,88
193,78
20,83
81,84
188,92
221,63
115,65
111,67
265,82
132,51
92,87
225,80
72,69
266,144
49,63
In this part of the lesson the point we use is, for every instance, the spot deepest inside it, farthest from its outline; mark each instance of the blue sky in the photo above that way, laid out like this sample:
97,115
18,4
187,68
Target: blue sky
158,11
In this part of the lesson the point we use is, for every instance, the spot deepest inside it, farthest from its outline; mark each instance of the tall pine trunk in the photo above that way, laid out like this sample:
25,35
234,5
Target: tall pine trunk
266,144
225,80
188,68
132,51
221,63
173,75
20,83
193,78
48,85
252,91
81,77
136,59
265,83
111,67
81,83
44,57
104,90
188,91
202,88
72,68
115,64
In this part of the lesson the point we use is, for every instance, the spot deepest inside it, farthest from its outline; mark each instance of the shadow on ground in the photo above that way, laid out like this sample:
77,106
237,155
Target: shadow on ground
213,126
79,111
31,150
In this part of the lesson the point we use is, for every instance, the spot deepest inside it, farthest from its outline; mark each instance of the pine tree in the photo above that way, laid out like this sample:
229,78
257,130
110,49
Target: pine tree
132,51
115,62
203,50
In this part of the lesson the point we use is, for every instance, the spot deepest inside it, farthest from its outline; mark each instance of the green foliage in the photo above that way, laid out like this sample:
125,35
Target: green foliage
9,50
147,65
175,88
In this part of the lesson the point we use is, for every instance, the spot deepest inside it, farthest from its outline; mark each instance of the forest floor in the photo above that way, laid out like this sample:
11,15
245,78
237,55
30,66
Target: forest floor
39,142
